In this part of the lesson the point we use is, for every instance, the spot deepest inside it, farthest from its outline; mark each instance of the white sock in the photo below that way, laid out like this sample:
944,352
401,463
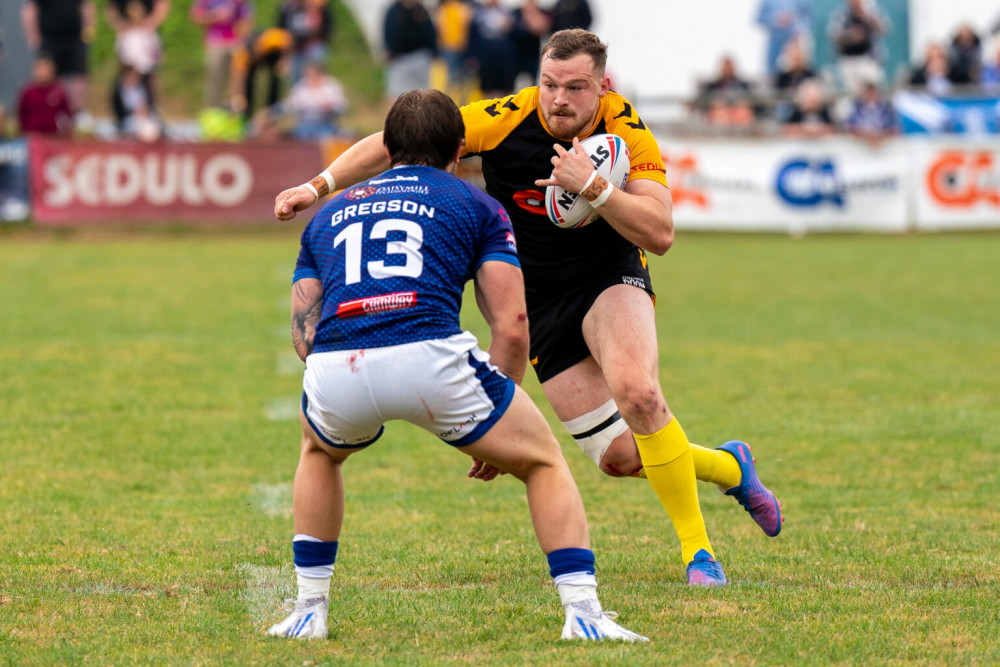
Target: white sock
579,589
310,587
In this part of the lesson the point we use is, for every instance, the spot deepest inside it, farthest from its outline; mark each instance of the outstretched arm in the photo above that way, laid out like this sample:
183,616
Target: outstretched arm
307,306
642,212
364,159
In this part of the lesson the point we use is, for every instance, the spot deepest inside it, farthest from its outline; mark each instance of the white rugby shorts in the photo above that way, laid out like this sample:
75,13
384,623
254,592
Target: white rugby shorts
446,386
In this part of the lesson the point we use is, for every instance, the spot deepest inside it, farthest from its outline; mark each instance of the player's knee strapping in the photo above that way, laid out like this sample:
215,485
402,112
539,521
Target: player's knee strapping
596,430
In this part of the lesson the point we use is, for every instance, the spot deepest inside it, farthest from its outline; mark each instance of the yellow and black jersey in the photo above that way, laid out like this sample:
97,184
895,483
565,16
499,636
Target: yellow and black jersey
516,148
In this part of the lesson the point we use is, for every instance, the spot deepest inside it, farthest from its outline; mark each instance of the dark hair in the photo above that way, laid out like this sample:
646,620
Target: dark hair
423,127
565,44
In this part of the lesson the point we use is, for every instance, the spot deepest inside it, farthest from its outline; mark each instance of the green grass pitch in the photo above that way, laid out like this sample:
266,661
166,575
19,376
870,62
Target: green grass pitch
148,440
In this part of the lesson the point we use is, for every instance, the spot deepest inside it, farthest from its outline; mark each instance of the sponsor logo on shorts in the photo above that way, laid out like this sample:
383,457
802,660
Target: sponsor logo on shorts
372,305
456,429
636,282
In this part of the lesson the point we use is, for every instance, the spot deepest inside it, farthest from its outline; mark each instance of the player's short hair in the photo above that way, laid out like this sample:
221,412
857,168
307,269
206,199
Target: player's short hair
423,127
565,44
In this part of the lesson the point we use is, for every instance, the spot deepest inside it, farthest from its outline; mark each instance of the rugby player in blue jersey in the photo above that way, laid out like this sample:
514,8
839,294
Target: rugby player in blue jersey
375,315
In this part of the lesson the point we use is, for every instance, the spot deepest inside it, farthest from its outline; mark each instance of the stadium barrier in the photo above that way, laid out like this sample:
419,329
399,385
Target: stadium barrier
731,184
921,183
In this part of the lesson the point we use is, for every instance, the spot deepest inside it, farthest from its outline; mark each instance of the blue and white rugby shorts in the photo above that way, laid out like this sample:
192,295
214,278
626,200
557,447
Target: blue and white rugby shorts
446,386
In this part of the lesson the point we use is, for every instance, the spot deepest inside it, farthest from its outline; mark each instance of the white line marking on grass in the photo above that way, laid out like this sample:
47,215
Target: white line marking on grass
264,590
273,499
282,409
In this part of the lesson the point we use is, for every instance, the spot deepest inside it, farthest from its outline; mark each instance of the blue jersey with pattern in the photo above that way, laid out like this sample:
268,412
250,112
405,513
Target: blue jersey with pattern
394,254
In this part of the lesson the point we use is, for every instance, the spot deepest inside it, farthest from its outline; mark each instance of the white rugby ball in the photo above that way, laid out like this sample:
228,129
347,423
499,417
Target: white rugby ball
610,156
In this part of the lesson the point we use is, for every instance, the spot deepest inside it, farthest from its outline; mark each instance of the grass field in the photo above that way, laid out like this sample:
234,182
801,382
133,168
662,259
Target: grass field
148,438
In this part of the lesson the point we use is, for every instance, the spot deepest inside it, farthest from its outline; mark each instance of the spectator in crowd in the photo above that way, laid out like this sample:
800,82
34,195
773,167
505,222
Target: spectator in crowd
267,51
410,41
795,68
965,54
935,73
63,29
317,102
989,76
810,117
784,21
493,48
133,105
726,99
225,24
531,22
137,43
116,13
310,23
43,106
453,19
855,31
568,14
872,117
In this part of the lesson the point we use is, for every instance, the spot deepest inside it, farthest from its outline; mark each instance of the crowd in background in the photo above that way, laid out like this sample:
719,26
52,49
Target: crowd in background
273,82
853,96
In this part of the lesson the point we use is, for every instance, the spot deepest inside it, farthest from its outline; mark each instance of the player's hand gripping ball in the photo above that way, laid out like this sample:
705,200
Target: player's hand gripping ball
610,156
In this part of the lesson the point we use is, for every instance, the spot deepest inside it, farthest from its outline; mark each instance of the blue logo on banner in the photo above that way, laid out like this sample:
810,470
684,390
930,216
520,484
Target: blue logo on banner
809,183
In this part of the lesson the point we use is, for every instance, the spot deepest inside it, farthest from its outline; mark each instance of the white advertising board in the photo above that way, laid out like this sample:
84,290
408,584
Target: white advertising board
793,186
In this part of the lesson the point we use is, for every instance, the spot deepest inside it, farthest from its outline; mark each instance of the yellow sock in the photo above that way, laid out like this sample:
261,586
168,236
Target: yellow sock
715,466
666,457
712,465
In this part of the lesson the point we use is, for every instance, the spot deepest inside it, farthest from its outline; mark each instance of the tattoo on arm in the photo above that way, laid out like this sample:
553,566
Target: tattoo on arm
307,306
596,188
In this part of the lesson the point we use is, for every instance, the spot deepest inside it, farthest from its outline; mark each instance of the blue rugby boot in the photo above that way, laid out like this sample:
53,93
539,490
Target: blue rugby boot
763,506
705,571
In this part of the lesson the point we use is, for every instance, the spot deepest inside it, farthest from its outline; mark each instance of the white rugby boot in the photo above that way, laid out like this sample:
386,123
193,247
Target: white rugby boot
307,621
585,620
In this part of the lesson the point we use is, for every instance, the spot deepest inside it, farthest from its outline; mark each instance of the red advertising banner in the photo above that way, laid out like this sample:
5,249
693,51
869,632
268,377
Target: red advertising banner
88,183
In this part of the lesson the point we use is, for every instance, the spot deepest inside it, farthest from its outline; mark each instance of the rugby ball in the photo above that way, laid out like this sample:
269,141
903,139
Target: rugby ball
610,156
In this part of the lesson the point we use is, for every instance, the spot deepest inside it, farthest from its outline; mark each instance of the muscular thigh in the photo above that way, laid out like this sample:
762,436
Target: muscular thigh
620,330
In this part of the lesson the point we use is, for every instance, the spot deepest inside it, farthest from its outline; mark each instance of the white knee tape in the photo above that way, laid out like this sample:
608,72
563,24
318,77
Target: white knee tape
596,430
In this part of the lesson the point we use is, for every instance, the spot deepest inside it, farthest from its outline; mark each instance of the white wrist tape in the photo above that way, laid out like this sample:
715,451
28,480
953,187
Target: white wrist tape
312,189
329,180
590,181
603,197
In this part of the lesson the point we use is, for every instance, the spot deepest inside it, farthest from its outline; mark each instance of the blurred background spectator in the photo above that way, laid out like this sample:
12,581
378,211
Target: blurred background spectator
965,55
310,23
571,14
531,23
116,13
810,116
784,21
63,29
726,99
453,19
855,31
492,47
795,67
133,104
871,116
225,24
989,76
410,41
935,74
264,53
137,44
44,106
315,103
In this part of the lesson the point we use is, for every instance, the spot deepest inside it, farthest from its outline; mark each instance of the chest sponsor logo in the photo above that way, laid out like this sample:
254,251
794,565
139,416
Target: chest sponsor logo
532,201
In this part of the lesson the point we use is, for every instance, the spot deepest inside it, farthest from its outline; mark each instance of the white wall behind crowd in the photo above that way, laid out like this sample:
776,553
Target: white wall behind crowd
659,48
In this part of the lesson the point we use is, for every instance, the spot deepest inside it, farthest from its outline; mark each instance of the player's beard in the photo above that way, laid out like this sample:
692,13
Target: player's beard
565,127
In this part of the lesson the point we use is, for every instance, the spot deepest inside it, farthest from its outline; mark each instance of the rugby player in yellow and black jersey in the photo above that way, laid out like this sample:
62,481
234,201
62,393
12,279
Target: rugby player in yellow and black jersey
592,326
